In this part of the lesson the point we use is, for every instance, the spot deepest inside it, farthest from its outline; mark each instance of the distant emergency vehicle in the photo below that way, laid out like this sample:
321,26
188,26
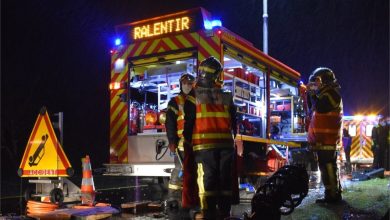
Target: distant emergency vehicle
360,128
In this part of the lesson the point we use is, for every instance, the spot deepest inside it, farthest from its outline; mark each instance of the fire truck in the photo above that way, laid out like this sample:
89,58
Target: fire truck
146,63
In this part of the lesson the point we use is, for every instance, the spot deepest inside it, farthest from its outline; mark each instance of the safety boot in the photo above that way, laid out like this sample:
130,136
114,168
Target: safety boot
172,204
199,216
203,215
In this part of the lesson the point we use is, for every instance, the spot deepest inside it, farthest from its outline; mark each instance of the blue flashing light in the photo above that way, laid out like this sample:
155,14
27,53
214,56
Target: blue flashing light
208,25
216,23
118,42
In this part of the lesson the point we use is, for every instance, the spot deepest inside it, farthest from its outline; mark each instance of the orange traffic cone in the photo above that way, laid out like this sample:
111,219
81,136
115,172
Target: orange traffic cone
87,184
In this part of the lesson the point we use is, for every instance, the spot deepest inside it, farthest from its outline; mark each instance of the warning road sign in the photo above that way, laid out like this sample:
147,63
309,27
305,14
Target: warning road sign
44,156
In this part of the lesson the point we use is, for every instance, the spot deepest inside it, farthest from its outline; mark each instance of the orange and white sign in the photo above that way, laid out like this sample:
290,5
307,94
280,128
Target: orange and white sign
44,156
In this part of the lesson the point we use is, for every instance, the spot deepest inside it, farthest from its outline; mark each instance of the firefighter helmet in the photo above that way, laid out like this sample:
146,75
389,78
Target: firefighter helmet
188,80
312,78
209,73
327,76
188,77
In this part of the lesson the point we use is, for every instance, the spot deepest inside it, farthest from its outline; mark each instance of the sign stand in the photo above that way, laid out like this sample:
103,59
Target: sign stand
45,158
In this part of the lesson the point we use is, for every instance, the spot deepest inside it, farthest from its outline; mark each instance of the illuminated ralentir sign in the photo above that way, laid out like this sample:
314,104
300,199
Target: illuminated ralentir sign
177,23
163,27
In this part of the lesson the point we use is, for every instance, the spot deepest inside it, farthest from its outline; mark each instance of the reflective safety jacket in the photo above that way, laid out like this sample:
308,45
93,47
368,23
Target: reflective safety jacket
325,130
175,121
325,127
210,122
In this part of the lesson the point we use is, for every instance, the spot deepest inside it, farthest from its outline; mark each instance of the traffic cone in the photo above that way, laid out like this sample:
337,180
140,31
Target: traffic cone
87,184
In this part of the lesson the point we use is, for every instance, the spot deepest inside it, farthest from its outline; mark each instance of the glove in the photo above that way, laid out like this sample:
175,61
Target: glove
172,147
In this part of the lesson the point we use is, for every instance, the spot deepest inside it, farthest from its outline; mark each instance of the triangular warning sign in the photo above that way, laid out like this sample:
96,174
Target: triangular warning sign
44,156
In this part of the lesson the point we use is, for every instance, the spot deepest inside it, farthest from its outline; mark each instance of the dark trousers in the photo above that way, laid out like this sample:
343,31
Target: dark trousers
347,151
329,173
381,158
214,169
376,153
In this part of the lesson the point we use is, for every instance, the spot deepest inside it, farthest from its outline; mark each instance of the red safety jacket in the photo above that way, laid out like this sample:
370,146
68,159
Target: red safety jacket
212,128
175,120
325,130
180,99
326,121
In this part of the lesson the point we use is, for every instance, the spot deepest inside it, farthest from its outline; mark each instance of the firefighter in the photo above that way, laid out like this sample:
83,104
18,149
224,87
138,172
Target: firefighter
325,130
347,142
174,126
380,148
209,129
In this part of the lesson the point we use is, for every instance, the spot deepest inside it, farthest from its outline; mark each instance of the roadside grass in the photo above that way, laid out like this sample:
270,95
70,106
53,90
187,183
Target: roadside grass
361,200
369,196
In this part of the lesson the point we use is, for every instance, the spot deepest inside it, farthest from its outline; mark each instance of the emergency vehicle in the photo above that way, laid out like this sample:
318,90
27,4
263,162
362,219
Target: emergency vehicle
149,58
360,128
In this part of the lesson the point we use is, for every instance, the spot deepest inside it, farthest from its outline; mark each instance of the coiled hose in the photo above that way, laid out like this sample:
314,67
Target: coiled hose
34,207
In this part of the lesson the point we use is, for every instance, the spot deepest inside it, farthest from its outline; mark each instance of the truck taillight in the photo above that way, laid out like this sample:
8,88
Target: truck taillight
117,85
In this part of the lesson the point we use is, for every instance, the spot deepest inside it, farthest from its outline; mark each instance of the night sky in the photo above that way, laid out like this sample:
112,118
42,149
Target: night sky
56,54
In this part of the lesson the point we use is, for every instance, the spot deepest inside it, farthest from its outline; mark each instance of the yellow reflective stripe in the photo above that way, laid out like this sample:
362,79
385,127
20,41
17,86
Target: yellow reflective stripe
213,114
179,133
226,193
326,130
181,100
267,141
212,146
327,114
175,187
173,109
323,147
204,113
180,145
212,135
209,193
216,193
180,117
200,172
191,99
207,69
